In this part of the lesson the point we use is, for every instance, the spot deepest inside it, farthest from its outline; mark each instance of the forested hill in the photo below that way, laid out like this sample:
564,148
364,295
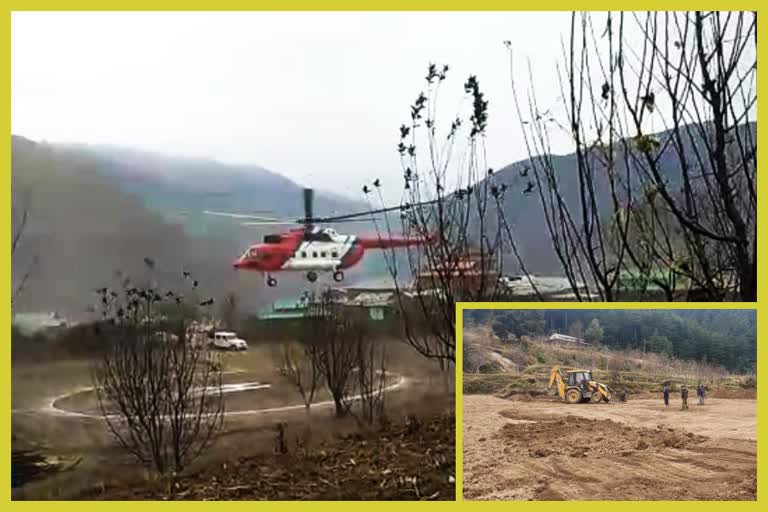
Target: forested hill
725,337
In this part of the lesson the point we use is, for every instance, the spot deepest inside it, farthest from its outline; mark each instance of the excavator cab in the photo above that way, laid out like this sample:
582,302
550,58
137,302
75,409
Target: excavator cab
582,380
576,378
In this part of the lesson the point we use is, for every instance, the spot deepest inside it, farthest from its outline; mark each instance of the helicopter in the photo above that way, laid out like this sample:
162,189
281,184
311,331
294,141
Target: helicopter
312,248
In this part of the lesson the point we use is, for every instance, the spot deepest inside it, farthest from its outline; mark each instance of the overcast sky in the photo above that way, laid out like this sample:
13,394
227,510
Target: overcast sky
317,97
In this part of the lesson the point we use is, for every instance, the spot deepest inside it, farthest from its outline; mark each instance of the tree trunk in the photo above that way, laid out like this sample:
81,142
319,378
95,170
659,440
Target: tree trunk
307,425
340,410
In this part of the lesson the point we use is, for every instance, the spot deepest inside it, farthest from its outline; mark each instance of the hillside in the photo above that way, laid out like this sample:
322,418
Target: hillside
93,211
524,212
181,188
492,366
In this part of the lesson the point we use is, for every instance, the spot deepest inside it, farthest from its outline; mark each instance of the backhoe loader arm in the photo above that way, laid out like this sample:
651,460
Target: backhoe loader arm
556,378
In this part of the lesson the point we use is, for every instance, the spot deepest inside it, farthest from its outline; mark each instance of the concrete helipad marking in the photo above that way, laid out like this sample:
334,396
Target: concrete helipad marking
401,381
244,386
52,409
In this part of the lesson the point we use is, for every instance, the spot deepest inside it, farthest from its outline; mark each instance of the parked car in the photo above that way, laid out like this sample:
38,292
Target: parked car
228,341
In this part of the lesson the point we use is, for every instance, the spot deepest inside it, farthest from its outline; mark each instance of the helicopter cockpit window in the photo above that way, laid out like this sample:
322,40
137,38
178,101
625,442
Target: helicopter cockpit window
252,254
319,236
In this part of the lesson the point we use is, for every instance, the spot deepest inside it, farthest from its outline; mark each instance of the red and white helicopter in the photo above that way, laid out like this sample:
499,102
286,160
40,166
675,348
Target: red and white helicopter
312,248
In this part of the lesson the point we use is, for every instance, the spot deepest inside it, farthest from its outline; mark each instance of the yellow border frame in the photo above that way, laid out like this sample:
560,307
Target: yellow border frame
610,505
372,5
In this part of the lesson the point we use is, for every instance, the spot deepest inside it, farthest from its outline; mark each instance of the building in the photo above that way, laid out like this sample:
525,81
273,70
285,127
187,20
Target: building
373,301
564,338
46,323
285,308
469,273
377,299
377,296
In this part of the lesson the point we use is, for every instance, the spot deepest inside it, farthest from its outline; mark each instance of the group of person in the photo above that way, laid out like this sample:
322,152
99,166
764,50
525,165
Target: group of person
684,395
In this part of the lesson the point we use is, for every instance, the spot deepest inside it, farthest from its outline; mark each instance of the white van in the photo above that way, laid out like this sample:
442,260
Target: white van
228,341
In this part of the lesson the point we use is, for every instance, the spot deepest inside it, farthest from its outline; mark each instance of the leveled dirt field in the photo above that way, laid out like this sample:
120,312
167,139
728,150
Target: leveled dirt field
541,449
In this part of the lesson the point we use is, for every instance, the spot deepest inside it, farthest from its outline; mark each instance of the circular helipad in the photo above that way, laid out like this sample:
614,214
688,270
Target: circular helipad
241,397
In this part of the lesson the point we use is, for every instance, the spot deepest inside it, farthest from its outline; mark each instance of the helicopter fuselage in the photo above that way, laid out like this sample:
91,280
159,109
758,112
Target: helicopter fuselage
313,250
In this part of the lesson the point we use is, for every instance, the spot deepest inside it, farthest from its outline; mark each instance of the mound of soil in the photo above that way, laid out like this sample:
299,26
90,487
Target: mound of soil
583,437
412,461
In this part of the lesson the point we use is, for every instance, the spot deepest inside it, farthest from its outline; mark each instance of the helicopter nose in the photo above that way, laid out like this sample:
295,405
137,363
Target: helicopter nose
237,263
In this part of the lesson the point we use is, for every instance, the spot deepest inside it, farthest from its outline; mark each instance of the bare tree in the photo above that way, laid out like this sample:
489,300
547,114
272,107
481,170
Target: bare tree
451,199
229,310
160,398
296,362
371,365
330,338
658,107
19,220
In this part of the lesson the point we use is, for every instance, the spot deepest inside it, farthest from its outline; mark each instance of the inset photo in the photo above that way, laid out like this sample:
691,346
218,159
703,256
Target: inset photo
609,404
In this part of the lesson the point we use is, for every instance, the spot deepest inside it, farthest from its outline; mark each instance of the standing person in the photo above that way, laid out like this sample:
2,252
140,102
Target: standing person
666,395
700,394
684,396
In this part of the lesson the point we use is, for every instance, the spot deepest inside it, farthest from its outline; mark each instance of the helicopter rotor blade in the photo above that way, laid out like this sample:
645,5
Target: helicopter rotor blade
372,212
293,223
238,215
270,223
341,221
309,219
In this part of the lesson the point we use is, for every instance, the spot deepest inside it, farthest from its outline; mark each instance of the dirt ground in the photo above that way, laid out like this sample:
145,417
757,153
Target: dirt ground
542,449
85,461
413,460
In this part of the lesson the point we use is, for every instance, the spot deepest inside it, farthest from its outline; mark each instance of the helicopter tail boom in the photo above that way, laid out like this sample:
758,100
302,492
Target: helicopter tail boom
390,242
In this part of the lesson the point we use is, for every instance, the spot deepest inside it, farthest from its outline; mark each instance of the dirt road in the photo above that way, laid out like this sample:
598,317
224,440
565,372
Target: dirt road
547,450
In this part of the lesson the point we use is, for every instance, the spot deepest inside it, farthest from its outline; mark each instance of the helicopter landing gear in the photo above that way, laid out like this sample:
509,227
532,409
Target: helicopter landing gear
311,276
271,281
338,276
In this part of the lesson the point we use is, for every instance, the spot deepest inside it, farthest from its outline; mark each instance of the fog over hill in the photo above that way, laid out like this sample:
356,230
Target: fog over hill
96,210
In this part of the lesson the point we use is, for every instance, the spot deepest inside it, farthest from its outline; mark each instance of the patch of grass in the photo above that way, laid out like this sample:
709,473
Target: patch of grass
499,383
533,380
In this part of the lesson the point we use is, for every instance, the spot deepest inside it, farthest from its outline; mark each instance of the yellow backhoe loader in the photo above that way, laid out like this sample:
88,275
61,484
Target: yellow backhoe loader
576,386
